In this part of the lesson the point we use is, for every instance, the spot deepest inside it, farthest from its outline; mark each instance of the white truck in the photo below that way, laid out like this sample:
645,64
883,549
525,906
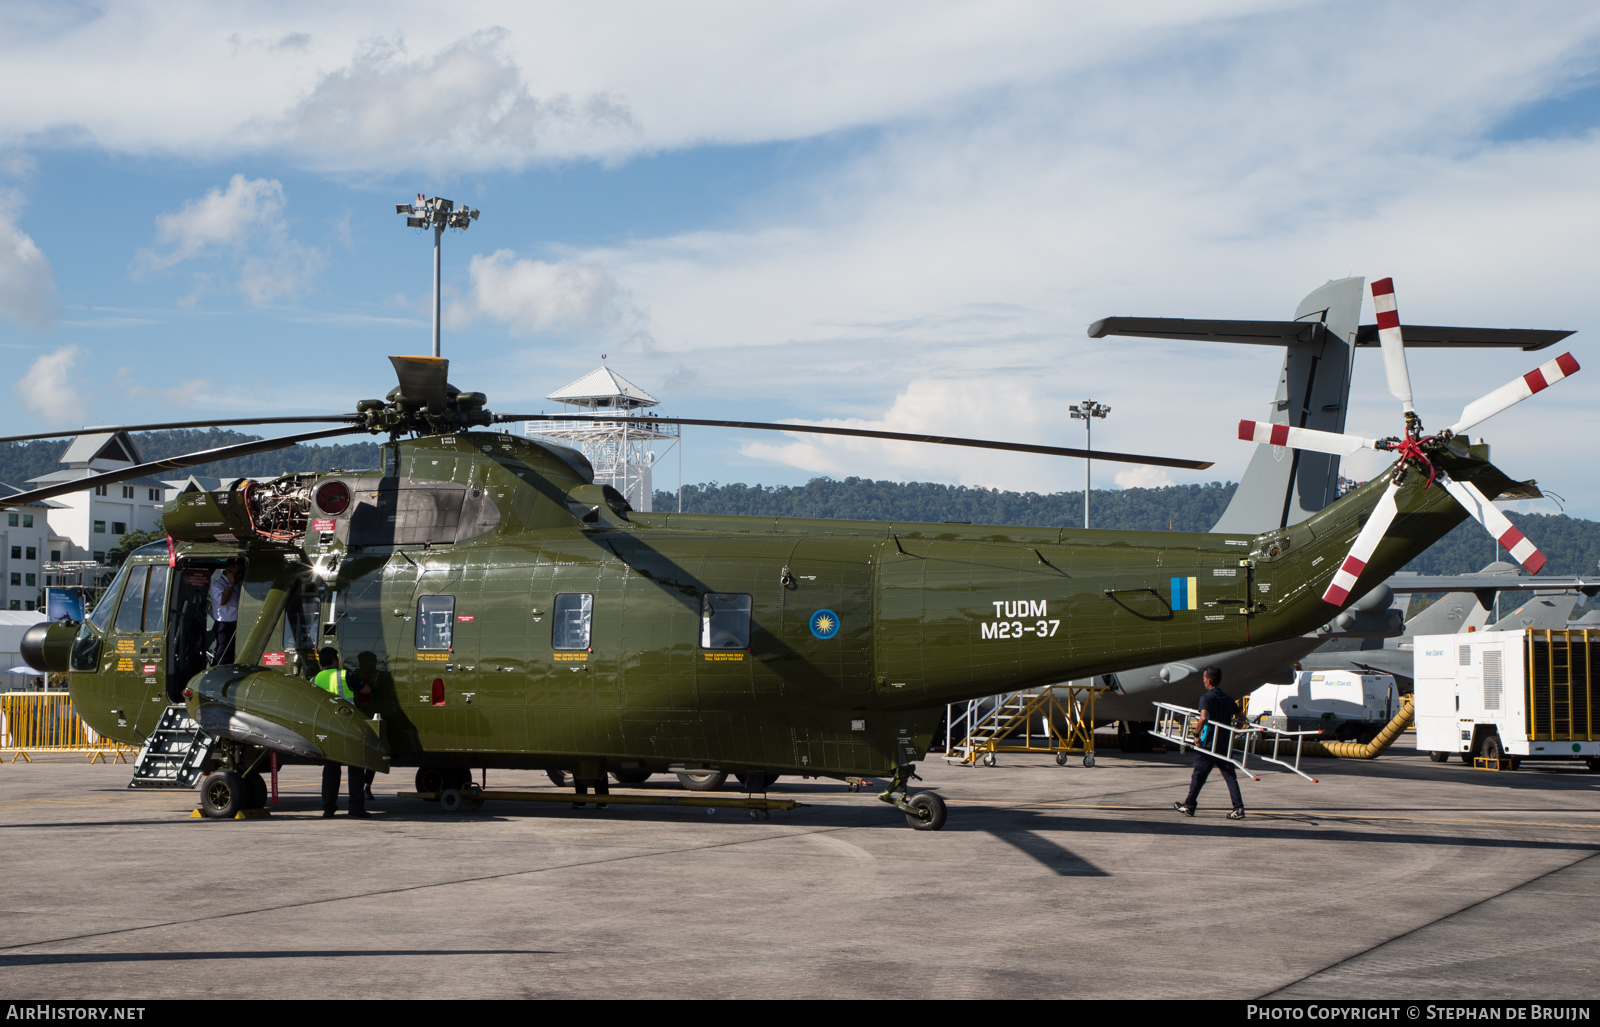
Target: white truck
1509,696
1343,705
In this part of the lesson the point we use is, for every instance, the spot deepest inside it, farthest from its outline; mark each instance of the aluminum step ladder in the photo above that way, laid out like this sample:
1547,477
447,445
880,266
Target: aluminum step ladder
175,753
1231,743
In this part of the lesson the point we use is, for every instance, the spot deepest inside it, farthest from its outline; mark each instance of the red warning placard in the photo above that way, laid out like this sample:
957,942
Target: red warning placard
273,659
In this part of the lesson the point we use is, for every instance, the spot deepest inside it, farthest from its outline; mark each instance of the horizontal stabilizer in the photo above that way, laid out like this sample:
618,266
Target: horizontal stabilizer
1286,333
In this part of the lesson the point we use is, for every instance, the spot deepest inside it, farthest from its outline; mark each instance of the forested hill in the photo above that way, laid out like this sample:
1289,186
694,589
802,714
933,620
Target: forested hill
1572,545
20,461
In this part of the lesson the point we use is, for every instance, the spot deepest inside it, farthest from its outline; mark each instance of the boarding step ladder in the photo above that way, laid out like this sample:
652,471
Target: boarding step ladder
1180,725
175,753
1023,721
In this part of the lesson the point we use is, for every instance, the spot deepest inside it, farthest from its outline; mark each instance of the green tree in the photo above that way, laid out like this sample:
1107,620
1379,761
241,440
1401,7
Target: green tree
129,542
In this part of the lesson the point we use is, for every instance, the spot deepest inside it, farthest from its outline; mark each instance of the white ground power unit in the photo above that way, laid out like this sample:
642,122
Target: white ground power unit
1343,705
1509,695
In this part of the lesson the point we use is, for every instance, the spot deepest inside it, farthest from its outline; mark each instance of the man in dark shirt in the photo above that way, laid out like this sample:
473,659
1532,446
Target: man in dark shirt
1216,707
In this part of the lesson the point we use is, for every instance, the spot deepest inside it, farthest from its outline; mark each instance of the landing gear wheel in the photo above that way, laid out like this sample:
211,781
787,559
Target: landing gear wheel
934,805
256,792
430,781
1061,759
451,800
630,777
702,780
757,782
988,759
559,778
1438,757
1088,759
222,794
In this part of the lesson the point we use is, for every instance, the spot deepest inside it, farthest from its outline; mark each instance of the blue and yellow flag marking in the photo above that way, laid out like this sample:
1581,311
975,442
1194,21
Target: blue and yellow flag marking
1186,593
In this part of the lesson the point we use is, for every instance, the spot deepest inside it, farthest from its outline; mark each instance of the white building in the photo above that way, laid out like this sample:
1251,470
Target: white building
12,628
88,524
24,547
621,450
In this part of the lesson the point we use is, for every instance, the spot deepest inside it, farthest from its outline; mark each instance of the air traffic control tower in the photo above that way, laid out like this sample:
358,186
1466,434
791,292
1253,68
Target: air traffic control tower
621,450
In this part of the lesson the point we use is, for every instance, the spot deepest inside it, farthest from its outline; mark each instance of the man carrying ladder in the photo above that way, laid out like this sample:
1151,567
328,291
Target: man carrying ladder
1216,707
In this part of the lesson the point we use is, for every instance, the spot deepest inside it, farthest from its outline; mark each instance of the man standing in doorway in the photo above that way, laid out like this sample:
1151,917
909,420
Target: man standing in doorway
331,678
1216,707
225,589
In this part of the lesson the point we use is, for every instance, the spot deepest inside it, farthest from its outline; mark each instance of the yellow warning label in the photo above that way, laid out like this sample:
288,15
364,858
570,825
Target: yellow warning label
440,657
125,645
125,664
724,657
570,656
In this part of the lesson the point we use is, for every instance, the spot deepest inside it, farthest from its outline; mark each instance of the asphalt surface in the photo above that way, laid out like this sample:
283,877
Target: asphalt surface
1393,879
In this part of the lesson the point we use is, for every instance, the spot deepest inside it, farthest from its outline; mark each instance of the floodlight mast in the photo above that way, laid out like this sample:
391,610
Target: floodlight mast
1085,412
438,214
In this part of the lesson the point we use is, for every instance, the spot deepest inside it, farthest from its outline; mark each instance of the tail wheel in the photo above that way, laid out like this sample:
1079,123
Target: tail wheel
932,806
702,780
222,794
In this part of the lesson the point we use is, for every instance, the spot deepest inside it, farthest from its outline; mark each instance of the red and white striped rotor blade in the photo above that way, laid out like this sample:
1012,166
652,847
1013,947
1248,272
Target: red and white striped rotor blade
1515,391
1480,509
1344,579
1304,438
1394,349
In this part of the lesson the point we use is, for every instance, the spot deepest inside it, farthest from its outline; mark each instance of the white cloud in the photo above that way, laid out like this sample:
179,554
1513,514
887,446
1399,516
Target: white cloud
1142,477
246,222
535,296
27,286
465,105
48,388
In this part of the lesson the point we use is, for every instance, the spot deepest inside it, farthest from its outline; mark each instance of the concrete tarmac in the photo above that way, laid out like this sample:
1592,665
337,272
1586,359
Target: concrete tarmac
1393,879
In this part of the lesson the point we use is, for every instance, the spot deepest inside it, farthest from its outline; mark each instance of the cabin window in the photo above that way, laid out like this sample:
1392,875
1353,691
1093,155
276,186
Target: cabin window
301,617
724,620
155,600
572,616
130,616
436,617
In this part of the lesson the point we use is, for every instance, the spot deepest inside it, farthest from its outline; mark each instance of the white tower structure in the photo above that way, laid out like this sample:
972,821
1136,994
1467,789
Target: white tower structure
621,450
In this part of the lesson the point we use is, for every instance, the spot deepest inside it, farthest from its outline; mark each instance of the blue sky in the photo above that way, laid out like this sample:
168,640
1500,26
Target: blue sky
900,216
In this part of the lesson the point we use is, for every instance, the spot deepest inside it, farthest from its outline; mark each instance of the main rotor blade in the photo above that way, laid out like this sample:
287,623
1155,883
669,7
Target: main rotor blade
172,463
1304,438
422,380
1344,579
1394,349
111,429
1515,391
861,433
1480,509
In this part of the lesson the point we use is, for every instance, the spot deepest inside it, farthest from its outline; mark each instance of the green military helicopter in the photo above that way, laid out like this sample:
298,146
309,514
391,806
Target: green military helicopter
508,612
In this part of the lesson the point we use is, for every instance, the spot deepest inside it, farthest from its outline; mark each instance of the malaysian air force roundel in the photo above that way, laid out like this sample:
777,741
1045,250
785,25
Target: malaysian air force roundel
824,624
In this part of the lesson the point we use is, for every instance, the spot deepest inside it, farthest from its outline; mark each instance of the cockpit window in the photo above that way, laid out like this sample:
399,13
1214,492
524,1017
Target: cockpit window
101,617
130,616
724,620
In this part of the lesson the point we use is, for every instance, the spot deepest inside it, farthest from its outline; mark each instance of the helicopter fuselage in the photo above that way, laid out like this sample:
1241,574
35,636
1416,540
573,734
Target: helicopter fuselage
505,611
